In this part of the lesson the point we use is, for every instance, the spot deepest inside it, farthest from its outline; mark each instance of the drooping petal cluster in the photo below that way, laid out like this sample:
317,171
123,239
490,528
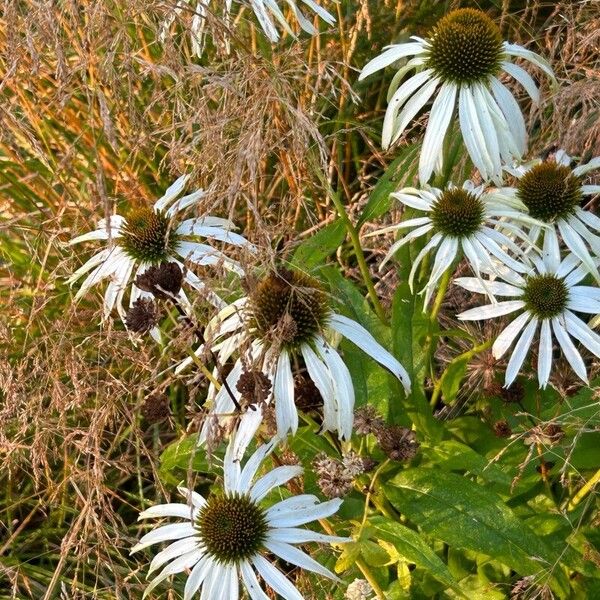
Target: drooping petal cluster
287,318
459,64
152,235
268,13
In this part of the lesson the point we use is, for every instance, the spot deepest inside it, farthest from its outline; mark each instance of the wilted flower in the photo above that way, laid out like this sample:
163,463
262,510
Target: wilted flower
267,13
462,58
149,236
287,316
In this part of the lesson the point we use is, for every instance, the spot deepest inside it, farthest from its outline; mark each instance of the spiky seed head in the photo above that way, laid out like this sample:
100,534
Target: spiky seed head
163,280
232,527
289,306
550,191
466,47
147,236
457,213
546,296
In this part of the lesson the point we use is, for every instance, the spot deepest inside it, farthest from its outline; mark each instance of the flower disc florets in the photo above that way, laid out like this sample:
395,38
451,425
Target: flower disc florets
550,191
457,213
289,306
146,235
233,528
466,46
546,296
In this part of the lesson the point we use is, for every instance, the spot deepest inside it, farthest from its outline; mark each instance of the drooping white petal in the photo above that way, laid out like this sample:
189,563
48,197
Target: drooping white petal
536,59
275,579
299,535
544,353
589,218
94,261
472,133
174,550
389,56
274,478
523,78
489,311
444,257
433,140
286,414
98,234
183,511
490,135
172,192
320,375
301,511
177,566
359,336
413,200
192,497
580,331
342,387
173,531
430,245
514,117
504,341
201,569
252,464
497,288
416,102
578,247
251,582
297,557
396,102
184,202
520,352
415,233
570,352
587,167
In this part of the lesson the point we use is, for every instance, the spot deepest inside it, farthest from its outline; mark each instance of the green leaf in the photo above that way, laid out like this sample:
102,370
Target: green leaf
454,456
409,328
412,547
452,378
465,515
400,169
184,454
318,247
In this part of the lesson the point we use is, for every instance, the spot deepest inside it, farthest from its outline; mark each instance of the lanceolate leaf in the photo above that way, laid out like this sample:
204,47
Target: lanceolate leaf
411,546
465,515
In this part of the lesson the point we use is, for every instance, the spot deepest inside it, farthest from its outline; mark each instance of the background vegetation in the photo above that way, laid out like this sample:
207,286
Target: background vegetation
96,114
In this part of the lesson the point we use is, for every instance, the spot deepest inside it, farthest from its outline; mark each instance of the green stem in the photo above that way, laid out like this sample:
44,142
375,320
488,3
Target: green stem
364,569
584,491
441,293
360,256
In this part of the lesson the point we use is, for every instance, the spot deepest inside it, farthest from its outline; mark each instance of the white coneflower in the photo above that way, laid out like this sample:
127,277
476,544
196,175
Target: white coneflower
267,12
462,220
287,317
553,194
226,539
463,57
150,236
546,299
